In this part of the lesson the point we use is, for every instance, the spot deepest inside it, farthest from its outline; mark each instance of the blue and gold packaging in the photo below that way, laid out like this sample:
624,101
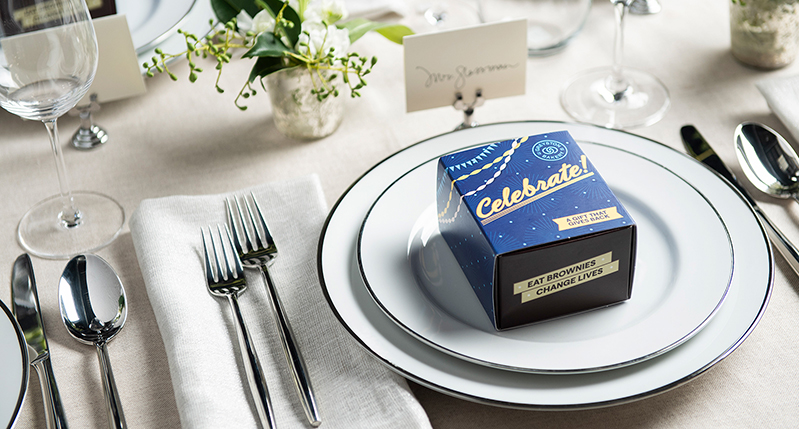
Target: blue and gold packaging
535,228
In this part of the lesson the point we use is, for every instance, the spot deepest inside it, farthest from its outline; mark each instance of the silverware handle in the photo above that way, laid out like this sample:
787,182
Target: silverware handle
116,418
255,374
302,381
779,240
53,409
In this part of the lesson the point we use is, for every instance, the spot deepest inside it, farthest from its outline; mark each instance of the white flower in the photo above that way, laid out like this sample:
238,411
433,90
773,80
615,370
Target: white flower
327,11
262,22
314,34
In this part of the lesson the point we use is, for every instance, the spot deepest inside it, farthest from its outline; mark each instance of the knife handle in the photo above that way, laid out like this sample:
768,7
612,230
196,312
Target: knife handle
53,408
778,239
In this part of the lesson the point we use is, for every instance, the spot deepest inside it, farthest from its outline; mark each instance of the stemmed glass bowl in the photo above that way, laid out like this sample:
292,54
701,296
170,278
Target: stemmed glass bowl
48,59
616,96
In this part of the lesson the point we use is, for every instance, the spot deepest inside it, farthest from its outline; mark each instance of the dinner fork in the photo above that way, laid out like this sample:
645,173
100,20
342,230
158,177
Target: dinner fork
257,249
227,280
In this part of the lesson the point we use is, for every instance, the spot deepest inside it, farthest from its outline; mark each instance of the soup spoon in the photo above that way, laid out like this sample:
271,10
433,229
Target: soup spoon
767,160
94,308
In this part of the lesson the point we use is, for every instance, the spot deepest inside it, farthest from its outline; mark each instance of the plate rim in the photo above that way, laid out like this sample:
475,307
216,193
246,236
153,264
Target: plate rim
195,20
23,347
165,34
683,379
684,336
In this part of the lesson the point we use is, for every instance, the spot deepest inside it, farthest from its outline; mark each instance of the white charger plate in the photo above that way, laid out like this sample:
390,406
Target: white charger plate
152,21
347,295
14,364
683,270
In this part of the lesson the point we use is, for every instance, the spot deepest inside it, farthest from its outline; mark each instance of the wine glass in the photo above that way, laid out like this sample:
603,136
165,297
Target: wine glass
449,14
616,96
48,58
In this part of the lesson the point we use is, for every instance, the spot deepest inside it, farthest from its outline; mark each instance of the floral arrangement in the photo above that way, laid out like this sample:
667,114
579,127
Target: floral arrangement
312,34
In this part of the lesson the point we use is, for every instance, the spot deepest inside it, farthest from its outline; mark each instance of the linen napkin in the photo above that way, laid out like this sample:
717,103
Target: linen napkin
353,389
782,95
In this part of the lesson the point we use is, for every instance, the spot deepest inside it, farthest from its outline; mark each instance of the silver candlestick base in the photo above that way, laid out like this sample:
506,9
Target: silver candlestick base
645,7
88,135
88,138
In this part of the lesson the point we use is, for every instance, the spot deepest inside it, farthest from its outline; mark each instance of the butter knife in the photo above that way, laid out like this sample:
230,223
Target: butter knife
700,150
25,306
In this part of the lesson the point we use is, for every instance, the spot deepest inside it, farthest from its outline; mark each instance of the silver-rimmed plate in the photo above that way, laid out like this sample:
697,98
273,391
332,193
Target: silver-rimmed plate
683,270
347,295
13,367
152,21
196,20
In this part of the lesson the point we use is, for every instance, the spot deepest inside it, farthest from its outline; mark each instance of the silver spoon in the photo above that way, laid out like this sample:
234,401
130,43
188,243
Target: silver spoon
768,160
94,308
771,165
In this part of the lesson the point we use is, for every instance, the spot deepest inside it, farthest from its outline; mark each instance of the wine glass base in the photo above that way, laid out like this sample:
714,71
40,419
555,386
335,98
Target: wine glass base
42,233
587,99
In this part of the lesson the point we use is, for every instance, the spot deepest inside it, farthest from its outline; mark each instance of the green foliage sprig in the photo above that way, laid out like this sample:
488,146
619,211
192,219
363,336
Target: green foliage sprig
287,44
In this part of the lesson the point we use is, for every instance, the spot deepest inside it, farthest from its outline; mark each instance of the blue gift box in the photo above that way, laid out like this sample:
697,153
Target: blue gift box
535,228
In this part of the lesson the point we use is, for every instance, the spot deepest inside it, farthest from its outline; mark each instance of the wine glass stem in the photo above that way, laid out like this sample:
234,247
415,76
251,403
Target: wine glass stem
618,83
70,216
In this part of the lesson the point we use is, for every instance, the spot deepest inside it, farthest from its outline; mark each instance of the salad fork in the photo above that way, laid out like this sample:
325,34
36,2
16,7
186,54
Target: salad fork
257,249
227,280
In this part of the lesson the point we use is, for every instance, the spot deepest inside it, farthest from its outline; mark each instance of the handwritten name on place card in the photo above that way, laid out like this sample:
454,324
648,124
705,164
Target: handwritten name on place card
489,57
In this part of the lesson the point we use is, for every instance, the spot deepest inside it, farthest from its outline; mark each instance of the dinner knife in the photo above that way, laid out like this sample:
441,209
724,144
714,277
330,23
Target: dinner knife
25,306
700,150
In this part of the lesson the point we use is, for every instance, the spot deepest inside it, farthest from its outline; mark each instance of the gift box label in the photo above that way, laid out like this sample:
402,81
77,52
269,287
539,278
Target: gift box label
535,228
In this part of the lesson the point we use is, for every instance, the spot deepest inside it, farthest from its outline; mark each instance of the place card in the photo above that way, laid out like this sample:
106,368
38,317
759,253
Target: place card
489,58
118,74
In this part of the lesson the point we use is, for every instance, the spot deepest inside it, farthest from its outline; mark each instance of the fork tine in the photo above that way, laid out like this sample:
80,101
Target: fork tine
239,269
222,275
267,237
241,246
209,272
248,234
257,236
225,256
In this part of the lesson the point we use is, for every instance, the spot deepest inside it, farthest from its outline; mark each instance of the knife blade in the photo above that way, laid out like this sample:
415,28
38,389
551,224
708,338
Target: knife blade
25,306
700,149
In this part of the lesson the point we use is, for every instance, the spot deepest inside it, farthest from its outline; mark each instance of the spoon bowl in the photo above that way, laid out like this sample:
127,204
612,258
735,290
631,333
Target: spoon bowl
94,308
767,160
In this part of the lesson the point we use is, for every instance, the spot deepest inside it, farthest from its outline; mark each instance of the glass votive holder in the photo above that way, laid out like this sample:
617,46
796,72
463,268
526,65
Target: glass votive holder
551,24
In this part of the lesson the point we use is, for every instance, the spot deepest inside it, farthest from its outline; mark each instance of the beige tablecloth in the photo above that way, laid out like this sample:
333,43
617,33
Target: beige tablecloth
183,138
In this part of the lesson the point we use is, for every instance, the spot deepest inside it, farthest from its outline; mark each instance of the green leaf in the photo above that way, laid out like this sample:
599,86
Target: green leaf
264,66
248,6
395,33
359,26
267,45
289,14
223,11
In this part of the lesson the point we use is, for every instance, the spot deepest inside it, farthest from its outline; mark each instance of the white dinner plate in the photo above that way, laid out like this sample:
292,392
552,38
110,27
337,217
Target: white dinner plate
195,21
152,21
682,272
350,300
13,367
